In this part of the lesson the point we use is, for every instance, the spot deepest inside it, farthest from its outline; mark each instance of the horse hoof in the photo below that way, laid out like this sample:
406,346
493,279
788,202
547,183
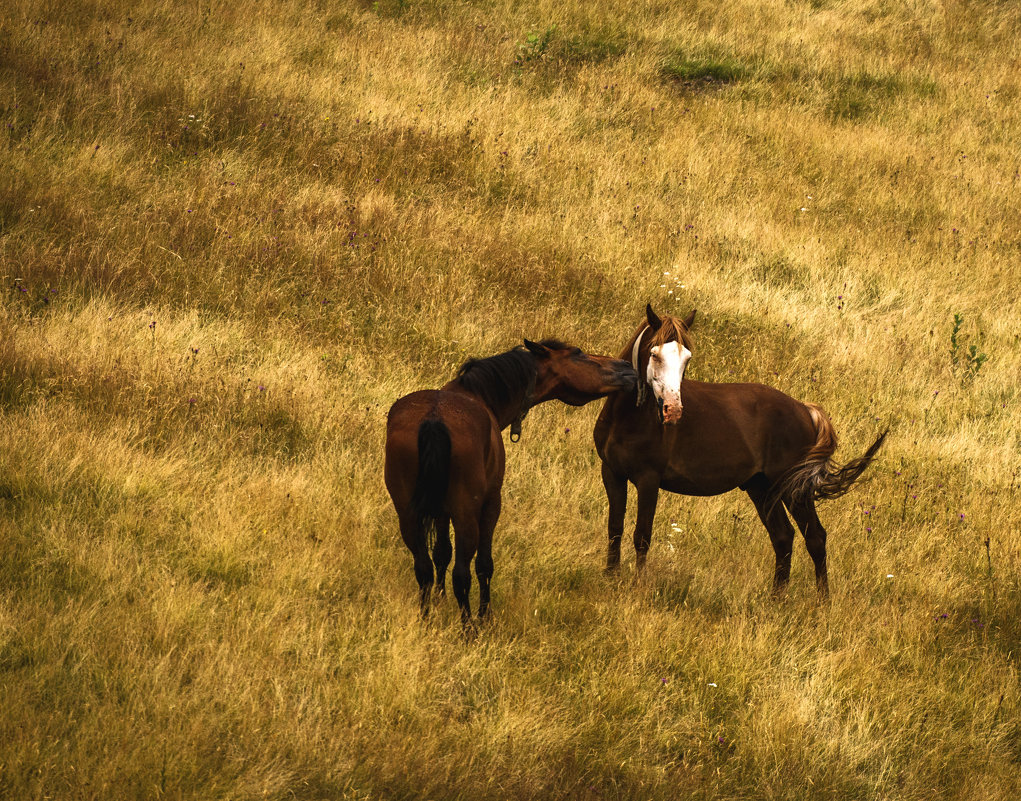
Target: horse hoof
779,592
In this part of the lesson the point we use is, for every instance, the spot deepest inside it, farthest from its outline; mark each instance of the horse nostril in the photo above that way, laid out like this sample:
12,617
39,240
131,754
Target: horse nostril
671,415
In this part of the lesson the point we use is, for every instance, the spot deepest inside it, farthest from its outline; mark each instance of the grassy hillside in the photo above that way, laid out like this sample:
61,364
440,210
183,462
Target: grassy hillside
232,234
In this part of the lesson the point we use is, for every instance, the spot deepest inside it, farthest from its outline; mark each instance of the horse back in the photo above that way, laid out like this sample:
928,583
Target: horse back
727,434
768,426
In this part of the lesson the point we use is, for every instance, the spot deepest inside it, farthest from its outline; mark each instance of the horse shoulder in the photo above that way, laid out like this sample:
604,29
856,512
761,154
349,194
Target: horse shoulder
603,426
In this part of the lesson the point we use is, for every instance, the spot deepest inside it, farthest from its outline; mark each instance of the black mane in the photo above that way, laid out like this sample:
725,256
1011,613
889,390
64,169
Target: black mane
505,378
502,379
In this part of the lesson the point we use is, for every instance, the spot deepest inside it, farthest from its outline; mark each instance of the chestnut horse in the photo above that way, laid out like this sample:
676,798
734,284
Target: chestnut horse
723,437
445,455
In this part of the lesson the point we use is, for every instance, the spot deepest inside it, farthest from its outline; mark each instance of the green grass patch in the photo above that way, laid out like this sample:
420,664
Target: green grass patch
864,94
703,68
232,235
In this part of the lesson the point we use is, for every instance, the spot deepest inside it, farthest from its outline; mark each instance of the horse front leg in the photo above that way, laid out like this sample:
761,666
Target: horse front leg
648,496
616,494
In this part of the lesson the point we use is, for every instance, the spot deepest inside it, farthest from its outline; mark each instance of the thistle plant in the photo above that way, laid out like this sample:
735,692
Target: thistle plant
965,364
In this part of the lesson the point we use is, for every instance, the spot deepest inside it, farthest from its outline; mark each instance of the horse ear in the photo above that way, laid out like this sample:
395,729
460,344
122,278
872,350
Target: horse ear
689,320
650,315
538,349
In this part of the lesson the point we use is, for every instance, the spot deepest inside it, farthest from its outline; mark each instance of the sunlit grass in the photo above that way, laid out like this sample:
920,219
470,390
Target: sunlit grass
232,236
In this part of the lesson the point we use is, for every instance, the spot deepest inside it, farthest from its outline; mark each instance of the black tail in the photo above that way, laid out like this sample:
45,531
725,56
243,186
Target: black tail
427,502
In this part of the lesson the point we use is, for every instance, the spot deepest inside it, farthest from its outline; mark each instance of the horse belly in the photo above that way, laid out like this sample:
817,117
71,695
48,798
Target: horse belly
701,472
682,485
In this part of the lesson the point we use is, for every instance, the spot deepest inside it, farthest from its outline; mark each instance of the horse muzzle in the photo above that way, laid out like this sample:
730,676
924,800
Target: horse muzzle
669,409
621,375
670,414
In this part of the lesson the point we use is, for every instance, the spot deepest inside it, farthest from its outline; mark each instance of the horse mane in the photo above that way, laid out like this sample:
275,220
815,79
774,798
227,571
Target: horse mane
505,378
671,329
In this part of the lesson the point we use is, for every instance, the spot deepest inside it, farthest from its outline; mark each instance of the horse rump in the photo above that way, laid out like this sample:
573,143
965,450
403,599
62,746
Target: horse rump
429,498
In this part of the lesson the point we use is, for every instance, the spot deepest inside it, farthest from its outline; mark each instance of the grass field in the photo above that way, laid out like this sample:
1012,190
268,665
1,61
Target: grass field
232,234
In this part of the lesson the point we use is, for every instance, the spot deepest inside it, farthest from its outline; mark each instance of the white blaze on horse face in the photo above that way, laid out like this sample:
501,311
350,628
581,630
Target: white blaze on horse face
665,373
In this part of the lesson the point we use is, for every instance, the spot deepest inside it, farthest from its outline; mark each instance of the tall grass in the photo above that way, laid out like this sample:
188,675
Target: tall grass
232,234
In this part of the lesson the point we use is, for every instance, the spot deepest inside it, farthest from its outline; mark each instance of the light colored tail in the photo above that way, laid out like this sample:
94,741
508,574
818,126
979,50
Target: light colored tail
815,477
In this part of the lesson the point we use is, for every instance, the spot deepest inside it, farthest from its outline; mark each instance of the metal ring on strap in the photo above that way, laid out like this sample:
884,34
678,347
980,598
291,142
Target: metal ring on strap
642,385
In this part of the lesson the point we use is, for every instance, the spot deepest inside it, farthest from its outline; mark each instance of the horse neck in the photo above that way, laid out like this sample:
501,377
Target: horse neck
505,413
634,357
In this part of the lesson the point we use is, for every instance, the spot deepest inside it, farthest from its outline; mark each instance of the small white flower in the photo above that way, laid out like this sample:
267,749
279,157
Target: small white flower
712,684
889,575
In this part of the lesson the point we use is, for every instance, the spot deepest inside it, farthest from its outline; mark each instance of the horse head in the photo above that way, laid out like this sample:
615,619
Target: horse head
569,375
664,346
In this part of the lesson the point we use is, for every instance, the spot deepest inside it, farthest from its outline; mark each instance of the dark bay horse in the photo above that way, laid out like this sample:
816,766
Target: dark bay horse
722,437
445,454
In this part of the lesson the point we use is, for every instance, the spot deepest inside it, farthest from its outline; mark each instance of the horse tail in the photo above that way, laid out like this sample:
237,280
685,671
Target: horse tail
427,501
816,477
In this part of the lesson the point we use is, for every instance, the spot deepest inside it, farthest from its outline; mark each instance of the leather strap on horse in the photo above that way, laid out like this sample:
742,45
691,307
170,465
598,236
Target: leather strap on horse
515,432
642,386
526,404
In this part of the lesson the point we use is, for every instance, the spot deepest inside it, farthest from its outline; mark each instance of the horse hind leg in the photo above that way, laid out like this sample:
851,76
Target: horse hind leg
466,542
413,534
781,532
442,553
484,559
815,540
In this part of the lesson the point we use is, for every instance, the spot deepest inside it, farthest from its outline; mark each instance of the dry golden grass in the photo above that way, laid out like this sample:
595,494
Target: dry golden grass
231,235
